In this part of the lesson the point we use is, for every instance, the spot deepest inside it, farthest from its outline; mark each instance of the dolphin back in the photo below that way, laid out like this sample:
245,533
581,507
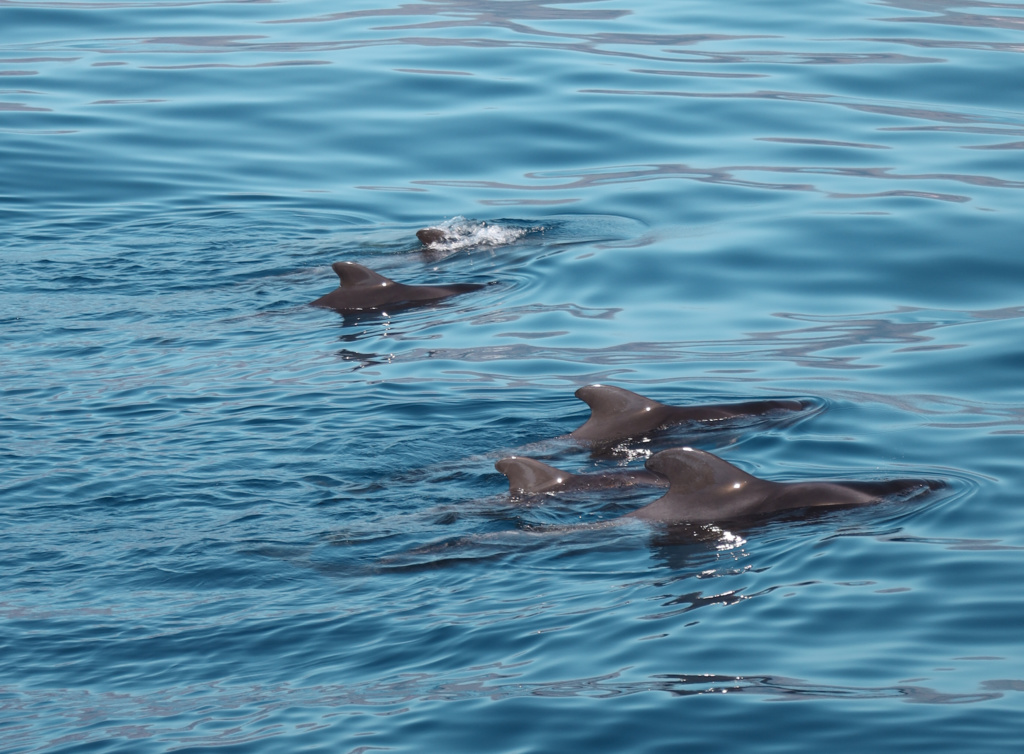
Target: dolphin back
705,488
361,289
616,413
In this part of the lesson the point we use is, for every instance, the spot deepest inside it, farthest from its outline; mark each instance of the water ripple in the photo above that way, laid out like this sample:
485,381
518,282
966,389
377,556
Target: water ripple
223,714
230,518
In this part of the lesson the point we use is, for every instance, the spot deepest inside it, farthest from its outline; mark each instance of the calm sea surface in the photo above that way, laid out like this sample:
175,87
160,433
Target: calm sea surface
232,521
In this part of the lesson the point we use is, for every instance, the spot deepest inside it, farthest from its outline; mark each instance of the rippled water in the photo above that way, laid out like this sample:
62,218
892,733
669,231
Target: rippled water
230,519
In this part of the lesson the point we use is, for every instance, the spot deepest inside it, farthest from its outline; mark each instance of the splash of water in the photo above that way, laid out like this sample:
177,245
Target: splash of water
461,233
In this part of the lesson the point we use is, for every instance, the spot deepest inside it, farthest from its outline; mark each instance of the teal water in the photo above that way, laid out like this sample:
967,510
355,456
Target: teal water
233,521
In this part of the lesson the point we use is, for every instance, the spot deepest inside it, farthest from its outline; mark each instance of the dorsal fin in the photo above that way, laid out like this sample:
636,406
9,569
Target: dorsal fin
689,470
354,275
529,475
614,411
608,399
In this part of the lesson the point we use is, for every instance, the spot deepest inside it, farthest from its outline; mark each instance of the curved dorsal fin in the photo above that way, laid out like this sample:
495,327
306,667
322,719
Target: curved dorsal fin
608,399
354,275
616,412
689,470
529,475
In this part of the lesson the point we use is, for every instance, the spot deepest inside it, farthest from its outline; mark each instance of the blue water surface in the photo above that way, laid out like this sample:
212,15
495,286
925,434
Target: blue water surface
232,521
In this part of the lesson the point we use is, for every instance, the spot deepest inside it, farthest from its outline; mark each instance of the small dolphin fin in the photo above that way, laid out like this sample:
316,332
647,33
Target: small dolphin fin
530,476
689,471
354,275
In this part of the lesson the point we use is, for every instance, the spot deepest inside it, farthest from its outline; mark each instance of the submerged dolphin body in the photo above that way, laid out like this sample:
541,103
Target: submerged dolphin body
616,414
703,488
529,476
361,289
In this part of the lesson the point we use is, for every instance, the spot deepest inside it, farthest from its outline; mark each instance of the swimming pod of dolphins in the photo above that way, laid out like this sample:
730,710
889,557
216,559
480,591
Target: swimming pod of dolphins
702,488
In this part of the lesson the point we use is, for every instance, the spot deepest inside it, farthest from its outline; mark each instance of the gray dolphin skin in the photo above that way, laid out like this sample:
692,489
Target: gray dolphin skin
430,236
703,488
531,477
616,413
361,289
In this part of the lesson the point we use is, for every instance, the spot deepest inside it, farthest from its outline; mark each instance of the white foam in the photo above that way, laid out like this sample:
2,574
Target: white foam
461,233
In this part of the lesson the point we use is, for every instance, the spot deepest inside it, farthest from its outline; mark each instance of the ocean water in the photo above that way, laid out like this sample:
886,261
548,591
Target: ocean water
232,521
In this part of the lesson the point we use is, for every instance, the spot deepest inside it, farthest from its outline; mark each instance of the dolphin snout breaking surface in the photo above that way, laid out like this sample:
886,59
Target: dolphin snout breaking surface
430,236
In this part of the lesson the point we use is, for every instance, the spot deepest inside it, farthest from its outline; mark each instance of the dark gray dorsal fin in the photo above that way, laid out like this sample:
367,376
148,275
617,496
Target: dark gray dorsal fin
529,475
354,275
608,399
616,412
689,470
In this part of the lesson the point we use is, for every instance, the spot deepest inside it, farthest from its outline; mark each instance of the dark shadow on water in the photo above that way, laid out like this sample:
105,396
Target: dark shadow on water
902,330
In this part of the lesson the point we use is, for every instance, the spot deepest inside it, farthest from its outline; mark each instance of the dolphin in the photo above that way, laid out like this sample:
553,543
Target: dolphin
703,488
529,476
362,289
616,413
430,236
